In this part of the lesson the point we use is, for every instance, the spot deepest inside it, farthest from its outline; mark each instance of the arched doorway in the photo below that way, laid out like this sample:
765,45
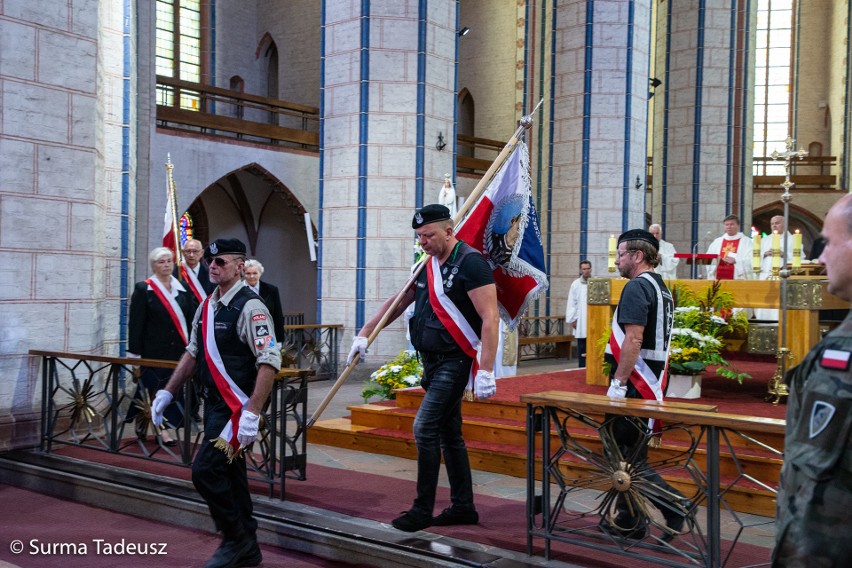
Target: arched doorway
253,205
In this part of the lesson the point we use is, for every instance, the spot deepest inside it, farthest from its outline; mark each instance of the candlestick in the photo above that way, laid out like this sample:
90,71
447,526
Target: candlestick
610,263
776,250
797,249
755,253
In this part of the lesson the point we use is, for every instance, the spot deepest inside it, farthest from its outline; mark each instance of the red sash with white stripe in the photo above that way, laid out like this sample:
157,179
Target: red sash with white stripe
451,317
170,304
233,396
193,282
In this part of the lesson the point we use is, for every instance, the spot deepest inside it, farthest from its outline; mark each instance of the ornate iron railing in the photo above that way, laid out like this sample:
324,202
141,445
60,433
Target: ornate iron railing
540,337
600,484
313,347
86,401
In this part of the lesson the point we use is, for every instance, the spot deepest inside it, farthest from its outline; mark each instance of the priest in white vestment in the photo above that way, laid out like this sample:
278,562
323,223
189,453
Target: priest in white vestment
777,225
733,250
668,263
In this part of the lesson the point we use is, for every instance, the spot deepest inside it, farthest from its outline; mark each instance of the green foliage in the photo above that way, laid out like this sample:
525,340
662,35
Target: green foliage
401,372
700,323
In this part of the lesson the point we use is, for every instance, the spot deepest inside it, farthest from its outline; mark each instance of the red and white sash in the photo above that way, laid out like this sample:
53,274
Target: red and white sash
170,304
233,396
725,271
451,317
649,385
193,282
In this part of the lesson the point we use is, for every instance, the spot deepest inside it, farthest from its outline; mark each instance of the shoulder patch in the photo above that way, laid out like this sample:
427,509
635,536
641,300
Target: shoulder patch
835,359
258,317
821,415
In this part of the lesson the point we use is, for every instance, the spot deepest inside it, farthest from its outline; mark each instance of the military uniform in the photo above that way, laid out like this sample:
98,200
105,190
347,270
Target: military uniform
815,496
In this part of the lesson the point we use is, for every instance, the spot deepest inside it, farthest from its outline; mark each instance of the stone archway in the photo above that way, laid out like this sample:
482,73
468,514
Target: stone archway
253,205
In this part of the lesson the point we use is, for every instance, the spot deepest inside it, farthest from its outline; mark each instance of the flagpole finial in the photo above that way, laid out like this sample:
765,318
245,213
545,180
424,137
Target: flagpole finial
169,161
527,120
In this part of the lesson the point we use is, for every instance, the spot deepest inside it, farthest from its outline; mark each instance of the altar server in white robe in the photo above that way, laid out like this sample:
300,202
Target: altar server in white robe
734,252
668,263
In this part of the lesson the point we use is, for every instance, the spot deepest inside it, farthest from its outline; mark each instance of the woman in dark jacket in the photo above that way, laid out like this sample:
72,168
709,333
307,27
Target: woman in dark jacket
161,312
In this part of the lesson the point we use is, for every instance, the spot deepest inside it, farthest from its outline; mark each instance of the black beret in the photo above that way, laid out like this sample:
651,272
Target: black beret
430,214
639,235
225,246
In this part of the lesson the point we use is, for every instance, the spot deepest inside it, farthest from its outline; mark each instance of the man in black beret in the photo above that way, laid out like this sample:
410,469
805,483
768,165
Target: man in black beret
461,281
232,348
637,352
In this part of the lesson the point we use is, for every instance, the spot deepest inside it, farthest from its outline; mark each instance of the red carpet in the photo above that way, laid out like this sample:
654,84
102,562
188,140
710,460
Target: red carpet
380,498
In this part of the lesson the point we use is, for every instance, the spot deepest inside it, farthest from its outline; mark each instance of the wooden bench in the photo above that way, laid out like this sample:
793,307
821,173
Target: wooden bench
562,343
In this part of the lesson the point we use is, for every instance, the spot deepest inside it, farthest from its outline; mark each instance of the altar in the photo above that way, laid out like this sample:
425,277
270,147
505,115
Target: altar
806,296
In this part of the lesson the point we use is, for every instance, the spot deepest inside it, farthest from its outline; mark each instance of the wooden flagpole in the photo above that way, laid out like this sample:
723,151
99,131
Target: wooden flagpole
526,123
172,199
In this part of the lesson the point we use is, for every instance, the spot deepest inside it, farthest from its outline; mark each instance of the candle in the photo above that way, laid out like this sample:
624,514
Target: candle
776,250
797,249
610,263
755,256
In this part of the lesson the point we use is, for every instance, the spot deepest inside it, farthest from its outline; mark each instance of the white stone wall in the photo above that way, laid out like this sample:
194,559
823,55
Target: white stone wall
60,182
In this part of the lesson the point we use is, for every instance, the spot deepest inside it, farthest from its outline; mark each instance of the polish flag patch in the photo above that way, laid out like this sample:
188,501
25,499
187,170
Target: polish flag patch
835,359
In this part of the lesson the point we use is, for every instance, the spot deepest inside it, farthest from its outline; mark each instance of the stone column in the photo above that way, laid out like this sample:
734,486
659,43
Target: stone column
599,134
65,192
703,119
388,81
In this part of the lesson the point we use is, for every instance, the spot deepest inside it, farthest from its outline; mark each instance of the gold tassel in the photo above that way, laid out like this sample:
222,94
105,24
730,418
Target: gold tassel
223,445
654,441
468,395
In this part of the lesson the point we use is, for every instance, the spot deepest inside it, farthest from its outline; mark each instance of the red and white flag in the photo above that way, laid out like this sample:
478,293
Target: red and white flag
503,225
171,230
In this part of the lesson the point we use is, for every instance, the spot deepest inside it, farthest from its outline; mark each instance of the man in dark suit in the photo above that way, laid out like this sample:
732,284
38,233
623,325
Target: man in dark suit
194,272
267,292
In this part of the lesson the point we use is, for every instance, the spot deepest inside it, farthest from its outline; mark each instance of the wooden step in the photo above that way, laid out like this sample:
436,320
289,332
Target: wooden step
509,460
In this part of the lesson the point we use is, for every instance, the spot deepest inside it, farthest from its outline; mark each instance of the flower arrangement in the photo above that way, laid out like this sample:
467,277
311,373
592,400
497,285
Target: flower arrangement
401,372
699,325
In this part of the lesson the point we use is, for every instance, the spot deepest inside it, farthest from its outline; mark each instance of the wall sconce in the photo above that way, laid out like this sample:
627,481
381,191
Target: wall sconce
464,31
440,144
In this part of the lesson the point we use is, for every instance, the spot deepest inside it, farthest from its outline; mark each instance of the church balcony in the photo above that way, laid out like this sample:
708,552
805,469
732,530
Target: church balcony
224,113
809,173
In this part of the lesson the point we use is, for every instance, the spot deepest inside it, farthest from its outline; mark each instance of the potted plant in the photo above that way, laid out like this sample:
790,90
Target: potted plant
700,323
401,372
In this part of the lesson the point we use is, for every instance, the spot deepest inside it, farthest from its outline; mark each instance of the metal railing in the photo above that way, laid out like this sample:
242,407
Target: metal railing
726,460
532,334
87,402
313,347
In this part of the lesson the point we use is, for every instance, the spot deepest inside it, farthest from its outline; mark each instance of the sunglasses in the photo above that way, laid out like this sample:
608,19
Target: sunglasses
218,261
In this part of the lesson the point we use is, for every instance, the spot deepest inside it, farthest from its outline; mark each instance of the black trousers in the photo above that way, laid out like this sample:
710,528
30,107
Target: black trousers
224,486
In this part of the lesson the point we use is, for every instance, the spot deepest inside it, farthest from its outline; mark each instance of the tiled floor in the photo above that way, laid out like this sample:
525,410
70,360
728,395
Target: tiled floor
759,531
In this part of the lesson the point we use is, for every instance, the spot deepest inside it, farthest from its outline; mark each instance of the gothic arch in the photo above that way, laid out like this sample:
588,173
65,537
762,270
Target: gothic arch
809,224
252,204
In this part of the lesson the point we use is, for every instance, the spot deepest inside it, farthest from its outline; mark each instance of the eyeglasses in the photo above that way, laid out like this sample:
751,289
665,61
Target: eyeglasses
191,251
619,254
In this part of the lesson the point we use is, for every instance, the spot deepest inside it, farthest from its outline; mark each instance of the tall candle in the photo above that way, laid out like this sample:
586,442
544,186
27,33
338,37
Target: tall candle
755,256
610,263
776,250
797,249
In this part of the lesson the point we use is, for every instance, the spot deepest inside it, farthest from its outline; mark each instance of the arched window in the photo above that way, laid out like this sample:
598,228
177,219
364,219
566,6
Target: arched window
271,57
773,56
467,114
178,48
186,229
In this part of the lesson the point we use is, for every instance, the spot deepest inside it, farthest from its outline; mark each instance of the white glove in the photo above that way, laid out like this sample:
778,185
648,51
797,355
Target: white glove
359,346
617,391
484,385
247,433
159,404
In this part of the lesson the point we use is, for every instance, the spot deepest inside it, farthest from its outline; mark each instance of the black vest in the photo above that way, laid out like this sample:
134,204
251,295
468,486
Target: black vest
238,358
428,334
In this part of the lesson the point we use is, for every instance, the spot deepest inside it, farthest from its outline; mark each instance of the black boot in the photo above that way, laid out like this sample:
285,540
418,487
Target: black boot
236,551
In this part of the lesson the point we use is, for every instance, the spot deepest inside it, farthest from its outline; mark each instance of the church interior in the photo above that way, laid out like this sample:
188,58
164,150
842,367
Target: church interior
312,131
